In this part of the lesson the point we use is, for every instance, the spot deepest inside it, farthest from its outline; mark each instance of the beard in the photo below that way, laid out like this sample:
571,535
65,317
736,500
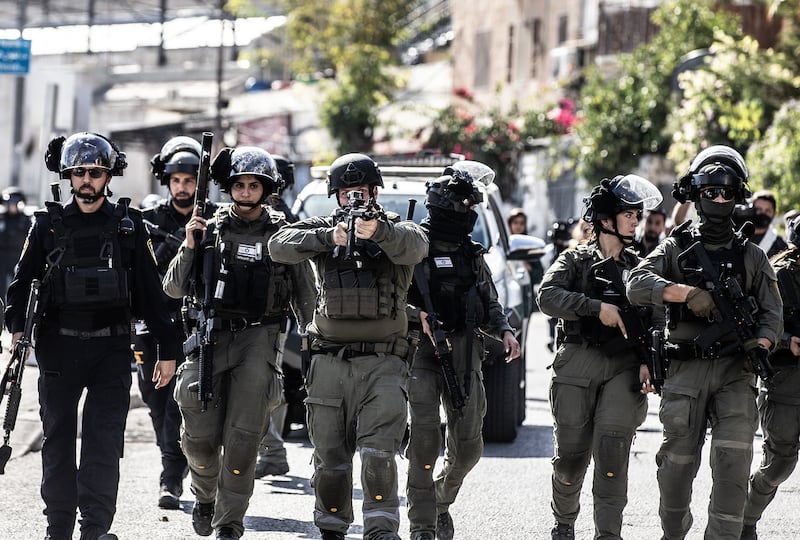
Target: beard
183,200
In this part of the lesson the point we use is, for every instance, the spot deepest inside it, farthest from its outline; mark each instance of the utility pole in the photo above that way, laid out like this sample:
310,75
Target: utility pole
19,105
220,67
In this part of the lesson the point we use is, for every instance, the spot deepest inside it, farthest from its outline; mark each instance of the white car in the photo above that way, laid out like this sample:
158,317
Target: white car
505,383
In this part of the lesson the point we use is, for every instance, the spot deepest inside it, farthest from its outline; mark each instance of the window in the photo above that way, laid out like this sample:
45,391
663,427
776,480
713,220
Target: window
483,41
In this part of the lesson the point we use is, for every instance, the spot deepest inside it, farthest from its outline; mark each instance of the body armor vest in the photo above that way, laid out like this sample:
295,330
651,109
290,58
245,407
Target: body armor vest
451,275
787,269
94,269
247,283
359,288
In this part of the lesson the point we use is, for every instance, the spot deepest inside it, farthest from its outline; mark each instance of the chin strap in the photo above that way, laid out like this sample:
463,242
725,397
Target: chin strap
626,240
246,204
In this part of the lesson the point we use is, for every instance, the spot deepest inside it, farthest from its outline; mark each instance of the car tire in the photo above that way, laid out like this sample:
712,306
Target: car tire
501,381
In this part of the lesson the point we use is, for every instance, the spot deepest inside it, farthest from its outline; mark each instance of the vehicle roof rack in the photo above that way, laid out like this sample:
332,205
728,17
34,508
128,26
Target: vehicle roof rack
425,158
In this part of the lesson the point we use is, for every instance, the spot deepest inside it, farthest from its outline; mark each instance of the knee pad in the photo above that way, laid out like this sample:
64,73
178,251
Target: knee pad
423,449
779,469
332,487
241,450
380,475
612,454
200,452
570,468
468,454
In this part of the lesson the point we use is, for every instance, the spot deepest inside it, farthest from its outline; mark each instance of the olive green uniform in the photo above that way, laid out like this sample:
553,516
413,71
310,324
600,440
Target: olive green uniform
464,444
221,444
357,382
779,402
596,408
703,390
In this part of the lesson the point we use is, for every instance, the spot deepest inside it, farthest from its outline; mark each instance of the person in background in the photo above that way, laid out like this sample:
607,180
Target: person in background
15,220
99,273
272,452
778,402
648,236
175,167
765,235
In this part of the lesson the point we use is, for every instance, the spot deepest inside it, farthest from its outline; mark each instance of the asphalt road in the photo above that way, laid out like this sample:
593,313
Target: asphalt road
505,497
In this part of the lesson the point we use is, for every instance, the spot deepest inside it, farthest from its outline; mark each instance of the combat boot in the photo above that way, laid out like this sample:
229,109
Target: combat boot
107,536
169,498
226,533
202,514
423,535
331,535
749,533
271,468
444,526
563,531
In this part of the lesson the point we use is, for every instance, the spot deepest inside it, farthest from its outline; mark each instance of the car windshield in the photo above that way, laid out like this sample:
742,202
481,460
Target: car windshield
321,205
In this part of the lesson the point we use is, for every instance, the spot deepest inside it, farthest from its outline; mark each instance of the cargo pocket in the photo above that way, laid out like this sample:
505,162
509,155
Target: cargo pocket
677,410
325,421
186,375
569,398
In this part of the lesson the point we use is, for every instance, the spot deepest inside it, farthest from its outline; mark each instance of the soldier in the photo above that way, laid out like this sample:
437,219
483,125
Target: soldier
459,287
358,376
14,224
714,384
271,452
778,402
765,235
97,270
175,167
600,380
251,296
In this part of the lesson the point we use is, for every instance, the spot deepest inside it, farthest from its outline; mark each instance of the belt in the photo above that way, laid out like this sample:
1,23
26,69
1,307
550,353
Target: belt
108,331
689,351
350,350
241,323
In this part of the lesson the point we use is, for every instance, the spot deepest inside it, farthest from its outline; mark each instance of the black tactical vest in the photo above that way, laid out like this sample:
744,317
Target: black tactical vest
247,283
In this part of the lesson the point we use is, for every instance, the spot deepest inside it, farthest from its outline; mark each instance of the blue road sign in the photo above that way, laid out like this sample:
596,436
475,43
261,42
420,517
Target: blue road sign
15,56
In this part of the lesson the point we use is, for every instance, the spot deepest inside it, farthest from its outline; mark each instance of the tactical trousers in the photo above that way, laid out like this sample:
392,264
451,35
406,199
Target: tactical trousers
699,393
596,413
464,444
271,449
221,444
779,410
67,365
358,403
164,412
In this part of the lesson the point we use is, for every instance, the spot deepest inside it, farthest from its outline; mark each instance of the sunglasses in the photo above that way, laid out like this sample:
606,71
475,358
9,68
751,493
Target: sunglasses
80,172
712,193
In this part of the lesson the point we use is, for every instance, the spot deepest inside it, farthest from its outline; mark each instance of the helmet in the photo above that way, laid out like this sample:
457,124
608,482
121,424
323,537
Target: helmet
231,163
83,149
458,188
285,170
794,231
12,195
352,170
179,154
717,165
610,197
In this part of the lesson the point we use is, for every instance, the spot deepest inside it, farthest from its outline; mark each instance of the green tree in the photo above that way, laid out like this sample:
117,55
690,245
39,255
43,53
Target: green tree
625,115
356,40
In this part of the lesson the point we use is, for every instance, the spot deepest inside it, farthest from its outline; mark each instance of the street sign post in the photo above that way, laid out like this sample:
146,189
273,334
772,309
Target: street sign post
15,56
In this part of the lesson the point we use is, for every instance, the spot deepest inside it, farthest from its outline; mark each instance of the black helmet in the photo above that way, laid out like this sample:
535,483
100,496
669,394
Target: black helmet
82,149
352,170
610,197
13,195
794,231
717,165
231,163
285,169
458,189
179,154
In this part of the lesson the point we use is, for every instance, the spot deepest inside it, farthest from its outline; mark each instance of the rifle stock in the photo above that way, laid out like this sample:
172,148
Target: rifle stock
12,379
736,310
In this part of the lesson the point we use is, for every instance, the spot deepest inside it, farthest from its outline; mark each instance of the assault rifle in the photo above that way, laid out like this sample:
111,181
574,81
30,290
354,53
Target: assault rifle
12,378
736,311
201,338
356,207
166,237
640,339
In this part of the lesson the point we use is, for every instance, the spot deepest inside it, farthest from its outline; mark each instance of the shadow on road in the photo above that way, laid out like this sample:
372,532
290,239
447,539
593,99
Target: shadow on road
531,442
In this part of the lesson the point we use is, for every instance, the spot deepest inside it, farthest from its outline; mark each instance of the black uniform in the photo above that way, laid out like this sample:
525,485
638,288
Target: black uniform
13,228
100,278
164,411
